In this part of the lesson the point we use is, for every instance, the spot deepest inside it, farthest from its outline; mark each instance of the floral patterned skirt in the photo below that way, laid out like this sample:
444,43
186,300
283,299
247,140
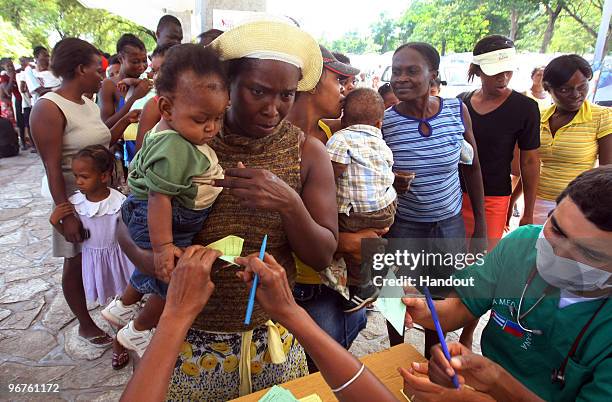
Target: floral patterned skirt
207,367
6,112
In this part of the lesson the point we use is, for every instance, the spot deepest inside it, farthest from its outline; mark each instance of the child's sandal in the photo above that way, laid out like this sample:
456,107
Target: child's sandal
120,360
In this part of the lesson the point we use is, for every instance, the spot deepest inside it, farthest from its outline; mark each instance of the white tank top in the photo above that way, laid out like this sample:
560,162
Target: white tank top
84,127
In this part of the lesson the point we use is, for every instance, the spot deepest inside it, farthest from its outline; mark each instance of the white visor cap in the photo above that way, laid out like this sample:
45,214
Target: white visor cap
497,61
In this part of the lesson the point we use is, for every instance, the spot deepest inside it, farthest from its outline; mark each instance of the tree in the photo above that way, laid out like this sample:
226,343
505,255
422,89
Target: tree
98,26
39,20
516,13
553,9
33,18
350,42
13,43
448,25
571,37
384,33
580,10
530,31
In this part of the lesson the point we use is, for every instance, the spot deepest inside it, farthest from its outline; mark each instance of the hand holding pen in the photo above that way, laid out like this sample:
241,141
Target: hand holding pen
436,320
273,292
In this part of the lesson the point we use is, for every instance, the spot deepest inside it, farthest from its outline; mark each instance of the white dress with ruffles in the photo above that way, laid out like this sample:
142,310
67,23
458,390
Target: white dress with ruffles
106,269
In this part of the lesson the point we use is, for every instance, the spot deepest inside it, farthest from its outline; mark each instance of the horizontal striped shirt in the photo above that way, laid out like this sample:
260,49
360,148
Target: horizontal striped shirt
367,183
435,193
573,149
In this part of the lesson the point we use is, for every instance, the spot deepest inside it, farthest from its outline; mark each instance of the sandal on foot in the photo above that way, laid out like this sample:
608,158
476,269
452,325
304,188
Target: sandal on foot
120,360
100,341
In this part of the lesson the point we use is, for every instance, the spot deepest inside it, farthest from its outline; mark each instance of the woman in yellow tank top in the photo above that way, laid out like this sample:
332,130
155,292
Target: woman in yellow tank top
323,304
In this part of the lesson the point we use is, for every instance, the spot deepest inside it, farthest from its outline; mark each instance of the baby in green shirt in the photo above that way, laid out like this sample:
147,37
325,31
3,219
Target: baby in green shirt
171,177
172,174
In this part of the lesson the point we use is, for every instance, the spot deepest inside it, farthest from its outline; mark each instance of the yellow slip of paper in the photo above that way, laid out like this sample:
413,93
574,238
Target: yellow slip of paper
280,394
311,398
230,248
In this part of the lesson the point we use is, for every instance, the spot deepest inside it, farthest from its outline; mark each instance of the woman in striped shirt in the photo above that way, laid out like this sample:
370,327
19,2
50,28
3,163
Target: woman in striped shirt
425,134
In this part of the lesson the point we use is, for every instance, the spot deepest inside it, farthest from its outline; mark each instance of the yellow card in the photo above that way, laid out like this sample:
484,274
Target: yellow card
230,247
311,398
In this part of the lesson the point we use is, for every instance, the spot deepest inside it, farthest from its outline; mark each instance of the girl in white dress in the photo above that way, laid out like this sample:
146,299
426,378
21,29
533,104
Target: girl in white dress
106,270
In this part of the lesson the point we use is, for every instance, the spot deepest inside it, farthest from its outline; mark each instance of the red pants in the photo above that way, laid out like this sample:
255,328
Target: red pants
496,209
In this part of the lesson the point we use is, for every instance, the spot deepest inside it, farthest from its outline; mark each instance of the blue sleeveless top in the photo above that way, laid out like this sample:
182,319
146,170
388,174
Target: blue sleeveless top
435,193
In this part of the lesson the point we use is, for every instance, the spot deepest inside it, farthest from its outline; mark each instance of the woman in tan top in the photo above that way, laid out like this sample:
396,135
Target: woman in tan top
285,191
62,123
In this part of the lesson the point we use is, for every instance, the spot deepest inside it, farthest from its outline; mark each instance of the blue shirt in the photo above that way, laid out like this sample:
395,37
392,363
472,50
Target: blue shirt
435,192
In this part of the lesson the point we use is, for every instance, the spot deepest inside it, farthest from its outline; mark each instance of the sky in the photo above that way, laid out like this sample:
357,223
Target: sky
330,19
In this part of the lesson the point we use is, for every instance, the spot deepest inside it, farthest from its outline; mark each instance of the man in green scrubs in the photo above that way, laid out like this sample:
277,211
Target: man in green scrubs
560,275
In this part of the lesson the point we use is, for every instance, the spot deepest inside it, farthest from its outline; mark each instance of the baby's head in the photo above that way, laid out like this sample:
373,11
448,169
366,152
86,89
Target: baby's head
157,58
114,65
387,94
363,106
193,91
93,168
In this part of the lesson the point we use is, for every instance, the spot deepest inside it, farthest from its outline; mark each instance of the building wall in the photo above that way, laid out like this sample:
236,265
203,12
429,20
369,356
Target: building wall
207,7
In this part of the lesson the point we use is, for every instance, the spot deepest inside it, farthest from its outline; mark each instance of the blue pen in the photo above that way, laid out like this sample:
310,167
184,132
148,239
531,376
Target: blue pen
434,316
249,311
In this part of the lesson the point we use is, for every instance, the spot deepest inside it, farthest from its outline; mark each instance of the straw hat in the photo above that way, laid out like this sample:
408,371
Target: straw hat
274,40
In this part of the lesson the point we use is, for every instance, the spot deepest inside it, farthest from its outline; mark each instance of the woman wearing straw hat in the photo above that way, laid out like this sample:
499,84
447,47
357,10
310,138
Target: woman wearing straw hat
277,182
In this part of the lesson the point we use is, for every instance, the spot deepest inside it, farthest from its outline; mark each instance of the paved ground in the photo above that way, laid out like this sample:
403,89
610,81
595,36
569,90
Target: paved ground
38,342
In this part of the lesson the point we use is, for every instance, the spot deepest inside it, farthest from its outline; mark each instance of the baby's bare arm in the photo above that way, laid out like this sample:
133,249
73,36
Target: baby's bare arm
339,169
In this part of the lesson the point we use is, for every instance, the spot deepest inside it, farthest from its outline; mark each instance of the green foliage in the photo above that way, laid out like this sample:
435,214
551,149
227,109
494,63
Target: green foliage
13,43
38,21
447,25
456,25
33,18
572,38
385,33
531,32
351,42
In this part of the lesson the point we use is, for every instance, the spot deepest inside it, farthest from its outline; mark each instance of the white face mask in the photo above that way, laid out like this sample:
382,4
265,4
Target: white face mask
567,274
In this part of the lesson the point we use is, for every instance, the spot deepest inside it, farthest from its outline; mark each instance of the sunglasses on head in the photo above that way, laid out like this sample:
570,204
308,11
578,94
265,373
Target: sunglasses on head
498,45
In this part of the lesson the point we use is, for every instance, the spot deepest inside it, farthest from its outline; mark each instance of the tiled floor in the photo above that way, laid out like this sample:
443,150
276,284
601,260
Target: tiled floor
38,342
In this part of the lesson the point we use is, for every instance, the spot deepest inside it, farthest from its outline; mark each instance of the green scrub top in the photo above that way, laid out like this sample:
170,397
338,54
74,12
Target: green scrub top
530,358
